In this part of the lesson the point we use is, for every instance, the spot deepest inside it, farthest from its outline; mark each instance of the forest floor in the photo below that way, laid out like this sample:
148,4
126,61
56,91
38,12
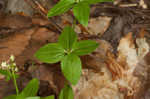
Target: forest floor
118,69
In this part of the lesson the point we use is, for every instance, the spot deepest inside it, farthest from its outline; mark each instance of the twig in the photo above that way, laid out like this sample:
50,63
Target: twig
128,5
37,6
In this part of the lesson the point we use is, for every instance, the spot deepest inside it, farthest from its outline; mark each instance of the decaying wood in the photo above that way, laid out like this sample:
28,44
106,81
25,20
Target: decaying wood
118,80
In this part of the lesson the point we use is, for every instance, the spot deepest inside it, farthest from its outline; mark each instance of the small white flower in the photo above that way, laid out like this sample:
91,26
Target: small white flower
4,65
16,69
14,64
12,57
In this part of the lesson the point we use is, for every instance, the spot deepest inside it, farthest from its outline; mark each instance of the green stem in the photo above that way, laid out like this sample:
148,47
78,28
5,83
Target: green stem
15,82
74,24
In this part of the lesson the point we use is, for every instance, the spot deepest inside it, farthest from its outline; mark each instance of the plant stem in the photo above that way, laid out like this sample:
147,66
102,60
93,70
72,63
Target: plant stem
15,82
74,24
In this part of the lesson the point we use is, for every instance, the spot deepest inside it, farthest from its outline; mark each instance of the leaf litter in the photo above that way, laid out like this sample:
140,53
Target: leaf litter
118,69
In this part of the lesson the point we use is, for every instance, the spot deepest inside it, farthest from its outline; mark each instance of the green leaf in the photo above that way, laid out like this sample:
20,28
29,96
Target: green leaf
31,89
33,98
61,7
71,68
66,93
6,73
48,97
20,96
96,1
10,97
81,12
67,38
84,47
50,53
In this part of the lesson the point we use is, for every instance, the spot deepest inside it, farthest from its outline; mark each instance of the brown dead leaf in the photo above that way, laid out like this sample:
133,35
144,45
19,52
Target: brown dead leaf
39,38
40,21
50,73
6,89
15,44
97,26
97,59
15,21
25,42
115,68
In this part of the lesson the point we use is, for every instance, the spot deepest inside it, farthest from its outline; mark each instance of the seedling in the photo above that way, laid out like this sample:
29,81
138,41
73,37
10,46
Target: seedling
67,50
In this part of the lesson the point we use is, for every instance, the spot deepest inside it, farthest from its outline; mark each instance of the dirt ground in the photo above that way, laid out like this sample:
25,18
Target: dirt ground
118,69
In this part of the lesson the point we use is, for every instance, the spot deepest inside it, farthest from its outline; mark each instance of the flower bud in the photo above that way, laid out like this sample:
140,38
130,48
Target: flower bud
4,65
12,57
16,69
